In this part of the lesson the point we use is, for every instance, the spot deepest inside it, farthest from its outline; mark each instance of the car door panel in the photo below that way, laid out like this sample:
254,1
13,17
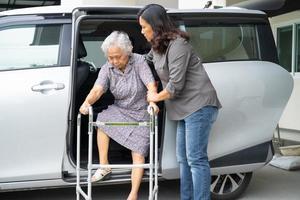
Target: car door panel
33,124
34,83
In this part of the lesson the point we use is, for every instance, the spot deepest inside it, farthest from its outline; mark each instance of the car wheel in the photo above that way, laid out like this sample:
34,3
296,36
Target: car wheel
229,186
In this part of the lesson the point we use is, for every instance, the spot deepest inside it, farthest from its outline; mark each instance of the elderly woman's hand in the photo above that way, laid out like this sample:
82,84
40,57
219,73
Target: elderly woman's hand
84,108
154,106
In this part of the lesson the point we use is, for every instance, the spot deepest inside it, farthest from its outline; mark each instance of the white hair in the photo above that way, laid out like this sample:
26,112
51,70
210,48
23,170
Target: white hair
117,39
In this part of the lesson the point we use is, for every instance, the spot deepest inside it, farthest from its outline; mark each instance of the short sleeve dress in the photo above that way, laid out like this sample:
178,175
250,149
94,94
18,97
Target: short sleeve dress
130,91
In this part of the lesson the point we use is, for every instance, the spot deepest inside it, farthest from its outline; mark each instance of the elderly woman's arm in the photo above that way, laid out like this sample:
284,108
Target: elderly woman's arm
153,89
95,93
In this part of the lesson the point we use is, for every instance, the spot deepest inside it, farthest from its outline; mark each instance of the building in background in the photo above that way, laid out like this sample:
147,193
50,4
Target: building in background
14,4
182,4
286,30
192,4
166,3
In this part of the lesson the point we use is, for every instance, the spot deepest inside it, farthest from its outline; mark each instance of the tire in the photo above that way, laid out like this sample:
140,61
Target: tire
229,186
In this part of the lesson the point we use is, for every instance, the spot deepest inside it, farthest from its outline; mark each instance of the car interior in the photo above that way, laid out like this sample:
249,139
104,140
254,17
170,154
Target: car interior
90,58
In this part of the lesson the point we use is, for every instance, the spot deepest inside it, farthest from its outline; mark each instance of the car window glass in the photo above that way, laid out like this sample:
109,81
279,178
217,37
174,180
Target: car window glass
94,52
224,42
285,46
29,46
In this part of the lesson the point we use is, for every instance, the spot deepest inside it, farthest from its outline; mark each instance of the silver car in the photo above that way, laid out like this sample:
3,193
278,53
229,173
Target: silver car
50,58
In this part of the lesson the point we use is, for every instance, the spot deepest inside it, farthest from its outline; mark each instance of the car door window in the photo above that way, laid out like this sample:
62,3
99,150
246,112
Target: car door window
224,42
29,46
94,52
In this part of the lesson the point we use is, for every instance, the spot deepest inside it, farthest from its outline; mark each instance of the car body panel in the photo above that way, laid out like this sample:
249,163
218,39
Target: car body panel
70,8
41,117
253,100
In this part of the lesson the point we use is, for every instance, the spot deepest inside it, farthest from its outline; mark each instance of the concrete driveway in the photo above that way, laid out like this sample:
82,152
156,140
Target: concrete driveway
268,183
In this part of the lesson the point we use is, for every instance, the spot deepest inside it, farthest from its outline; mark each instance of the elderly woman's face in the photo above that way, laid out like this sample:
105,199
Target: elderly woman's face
147,30
117,57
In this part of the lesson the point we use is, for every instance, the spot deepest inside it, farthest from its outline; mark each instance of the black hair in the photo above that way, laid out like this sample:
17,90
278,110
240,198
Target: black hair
164,29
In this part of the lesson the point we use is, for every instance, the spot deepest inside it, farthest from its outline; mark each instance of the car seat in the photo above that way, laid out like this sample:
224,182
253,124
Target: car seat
82,67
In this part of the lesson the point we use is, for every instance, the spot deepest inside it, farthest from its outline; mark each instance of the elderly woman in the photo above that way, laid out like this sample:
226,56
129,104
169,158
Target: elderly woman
128,77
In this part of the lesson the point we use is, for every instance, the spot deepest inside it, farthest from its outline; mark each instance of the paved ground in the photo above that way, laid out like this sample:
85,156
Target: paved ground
268,183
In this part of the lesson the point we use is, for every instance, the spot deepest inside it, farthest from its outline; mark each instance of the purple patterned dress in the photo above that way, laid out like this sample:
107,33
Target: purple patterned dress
129,90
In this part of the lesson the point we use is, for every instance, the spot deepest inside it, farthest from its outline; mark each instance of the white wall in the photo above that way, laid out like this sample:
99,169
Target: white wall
110,2
165,3
285,18
190,4
70,2
99,2
183,4
230,2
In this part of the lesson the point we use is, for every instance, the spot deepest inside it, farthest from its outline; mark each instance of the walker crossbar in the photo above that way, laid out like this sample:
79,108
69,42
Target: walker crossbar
120,123
153,159
120,166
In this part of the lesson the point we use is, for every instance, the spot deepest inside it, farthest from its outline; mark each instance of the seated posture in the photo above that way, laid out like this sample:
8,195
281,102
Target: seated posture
129,78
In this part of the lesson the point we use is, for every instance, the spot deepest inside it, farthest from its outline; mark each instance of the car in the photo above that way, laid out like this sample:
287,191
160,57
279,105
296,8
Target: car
50,59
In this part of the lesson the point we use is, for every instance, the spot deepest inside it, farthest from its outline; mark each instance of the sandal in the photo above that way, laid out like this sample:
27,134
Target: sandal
101,174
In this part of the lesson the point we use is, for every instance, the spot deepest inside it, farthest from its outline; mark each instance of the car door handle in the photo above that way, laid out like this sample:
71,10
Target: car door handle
47,85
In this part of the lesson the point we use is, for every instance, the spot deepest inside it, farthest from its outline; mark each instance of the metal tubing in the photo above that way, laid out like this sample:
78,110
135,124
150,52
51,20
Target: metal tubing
153,159
78,157
121,123
156,157
119,166
151,154
154,192
82,193
90,153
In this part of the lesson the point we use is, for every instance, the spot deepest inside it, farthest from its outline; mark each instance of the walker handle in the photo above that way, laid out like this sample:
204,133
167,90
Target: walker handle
150,110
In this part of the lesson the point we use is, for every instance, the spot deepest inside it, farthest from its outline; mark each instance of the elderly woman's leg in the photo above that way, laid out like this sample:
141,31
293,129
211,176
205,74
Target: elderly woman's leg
103,145
136,176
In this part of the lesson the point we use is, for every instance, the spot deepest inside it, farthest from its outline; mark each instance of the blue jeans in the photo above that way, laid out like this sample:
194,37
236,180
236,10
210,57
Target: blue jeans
191,151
